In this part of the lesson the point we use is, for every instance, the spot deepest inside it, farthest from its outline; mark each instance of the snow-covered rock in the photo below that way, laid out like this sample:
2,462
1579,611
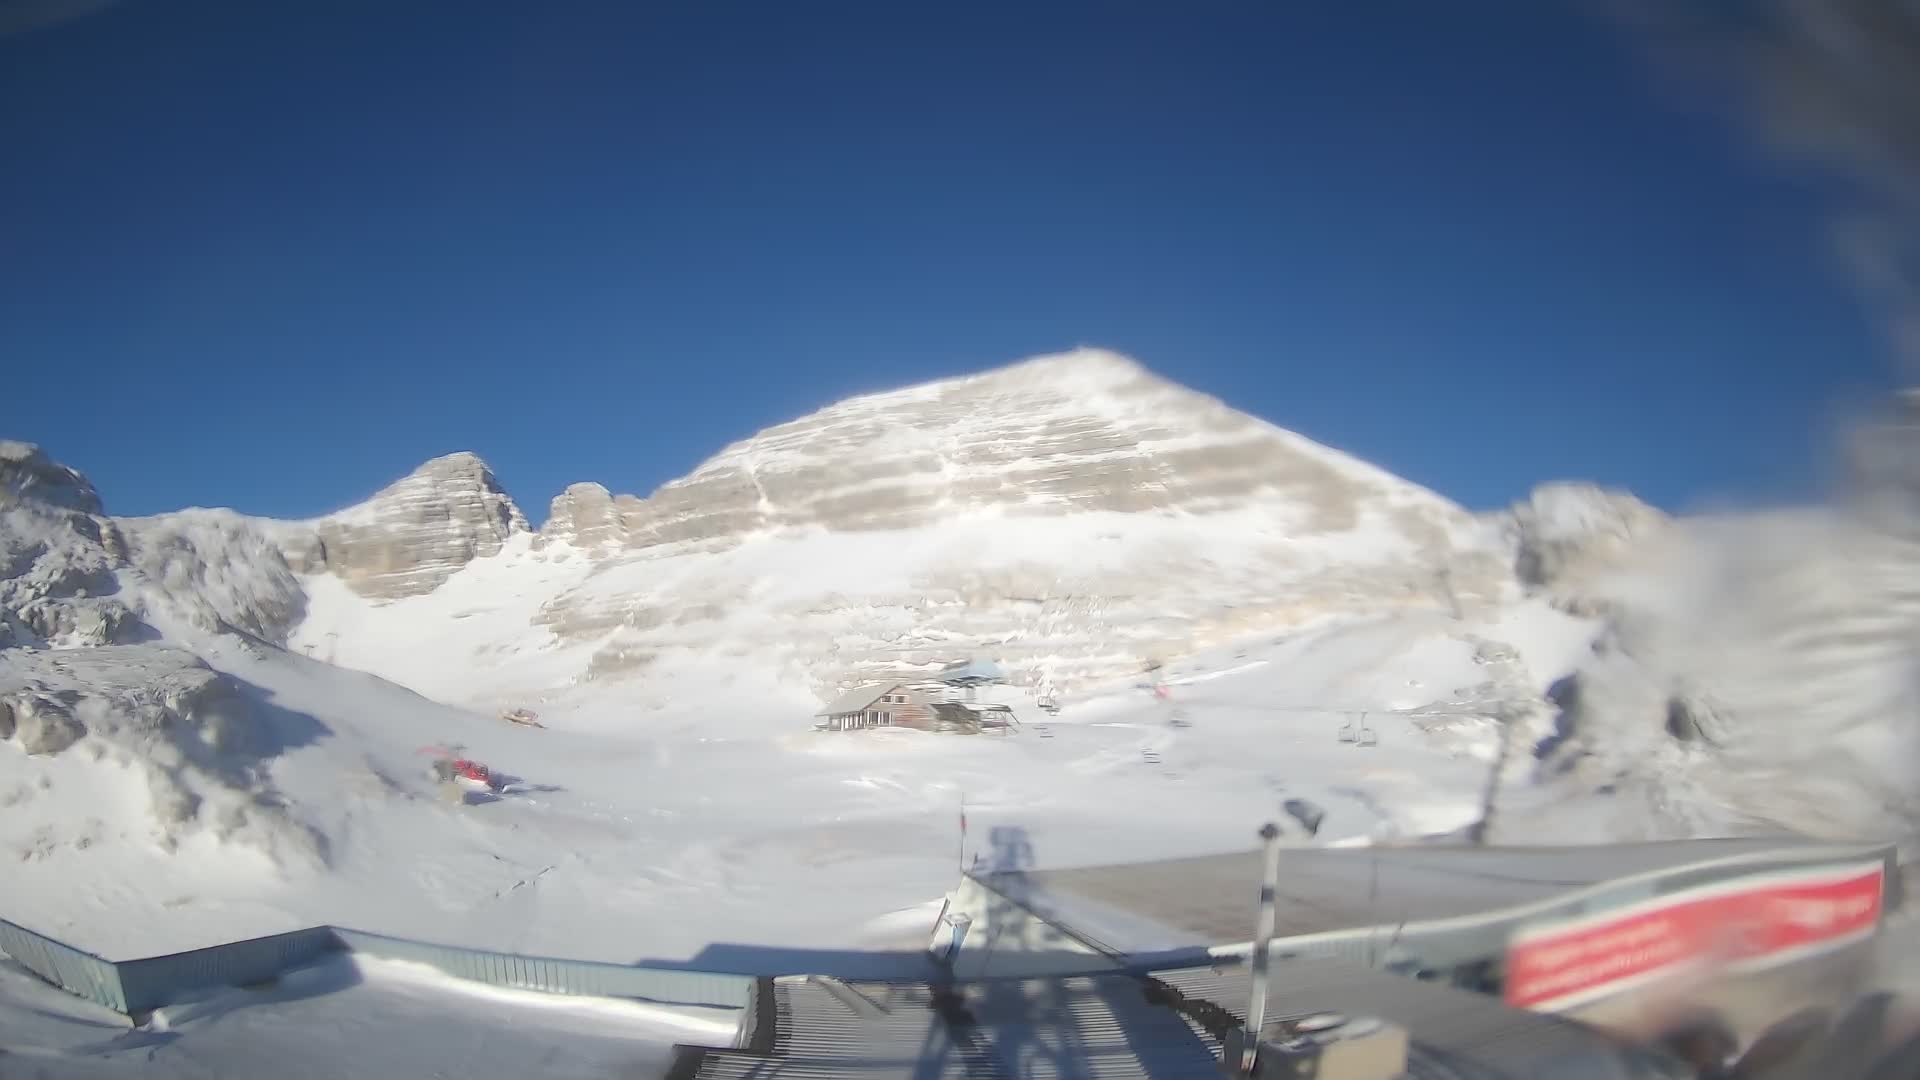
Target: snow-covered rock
26,472
1757,672
588,517
200,749
216,570
42,723
1564,533
58,573
415,533
99,621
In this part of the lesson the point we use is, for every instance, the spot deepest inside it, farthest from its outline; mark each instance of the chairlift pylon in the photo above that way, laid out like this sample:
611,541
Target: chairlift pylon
1366,735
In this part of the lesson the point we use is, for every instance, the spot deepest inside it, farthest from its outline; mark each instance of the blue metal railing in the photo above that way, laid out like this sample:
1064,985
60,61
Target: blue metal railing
66,967
557,976
157,980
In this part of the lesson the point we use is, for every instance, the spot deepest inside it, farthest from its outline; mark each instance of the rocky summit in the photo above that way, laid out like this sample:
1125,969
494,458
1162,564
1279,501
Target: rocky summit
414,533
1072,514
1087,431
26,472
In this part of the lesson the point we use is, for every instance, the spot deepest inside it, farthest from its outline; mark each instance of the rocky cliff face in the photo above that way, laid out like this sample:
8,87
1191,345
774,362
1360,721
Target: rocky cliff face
414,534
1070,515
74,577
1088,431
587,516
58,556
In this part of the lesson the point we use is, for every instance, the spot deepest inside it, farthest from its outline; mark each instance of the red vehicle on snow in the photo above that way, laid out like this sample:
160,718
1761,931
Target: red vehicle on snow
465,772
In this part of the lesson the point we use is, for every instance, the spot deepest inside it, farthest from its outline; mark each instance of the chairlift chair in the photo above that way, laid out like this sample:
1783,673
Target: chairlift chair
1366,735
1345,734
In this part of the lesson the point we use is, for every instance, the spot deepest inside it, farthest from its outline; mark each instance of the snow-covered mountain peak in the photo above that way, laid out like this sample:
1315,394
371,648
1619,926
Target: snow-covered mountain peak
414,533
1088,431
1072,513
1087,368
26,472
461,474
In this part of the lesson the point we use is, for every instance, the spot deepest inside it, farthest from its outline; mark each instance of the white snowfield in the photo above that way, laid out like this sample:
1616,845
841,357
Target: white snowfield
235,720
748,828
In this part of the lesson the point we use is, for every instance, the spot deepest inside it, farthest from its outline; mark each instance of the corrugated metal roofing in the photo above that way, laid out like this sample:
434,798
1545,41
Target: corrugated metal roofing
1125,1028
1211,900
1458,1030
858,699
972,671
1102,1027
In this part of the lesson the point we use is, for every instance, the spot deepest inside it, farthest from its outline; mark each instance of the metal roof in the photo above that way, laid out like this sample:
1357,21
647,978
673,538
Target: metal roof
861,698
1126,1028
1211,899
972,671
1452,1031
1101,1027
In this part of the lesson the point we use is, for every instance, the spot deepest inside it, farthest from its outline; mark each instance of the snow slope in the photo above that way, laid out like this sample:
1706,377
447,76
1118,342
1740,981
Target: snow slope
619,843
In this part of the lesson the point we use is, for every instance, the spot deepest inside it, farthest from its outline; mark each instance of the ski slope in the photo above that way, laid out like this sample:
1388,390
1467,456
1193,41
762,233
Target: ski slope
655,841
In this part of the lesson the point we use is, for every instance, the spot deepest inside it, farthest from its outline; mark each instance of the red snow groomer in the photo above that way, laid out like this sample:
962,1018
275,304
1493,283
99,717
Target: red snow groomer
463,772
472,774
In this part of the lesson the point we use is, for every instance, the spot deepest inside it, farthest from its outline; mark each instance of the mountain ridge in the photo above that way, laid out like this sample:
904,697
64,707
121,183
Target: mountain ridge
1071,579
1075,513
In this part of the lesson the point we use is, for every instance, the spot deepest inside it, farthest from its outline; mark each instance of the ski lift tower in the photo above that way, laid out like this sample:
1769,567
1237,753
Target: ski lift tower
1045,696
1447,592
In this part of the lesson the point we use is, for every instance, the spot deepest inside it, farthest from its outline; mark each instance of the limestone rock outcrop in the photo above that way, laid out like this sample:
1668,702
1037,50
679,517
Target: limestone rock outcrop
415,533
588,516
1072,512
1087,431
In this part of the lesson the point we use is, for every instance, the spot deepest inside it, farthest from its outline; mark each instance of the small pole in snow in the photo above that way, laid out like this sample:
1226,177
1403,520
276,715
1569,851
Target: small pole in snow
1262,946
960,859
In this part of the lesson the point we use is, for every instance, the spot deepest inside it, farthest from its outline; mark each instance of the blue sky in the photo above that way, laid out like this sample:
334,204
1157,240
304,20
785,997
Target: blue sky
273,255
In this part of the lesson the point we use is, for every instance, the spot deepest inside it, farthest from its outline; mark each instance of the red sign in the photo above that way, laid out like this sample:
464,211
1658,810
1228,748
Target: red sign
1747,923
